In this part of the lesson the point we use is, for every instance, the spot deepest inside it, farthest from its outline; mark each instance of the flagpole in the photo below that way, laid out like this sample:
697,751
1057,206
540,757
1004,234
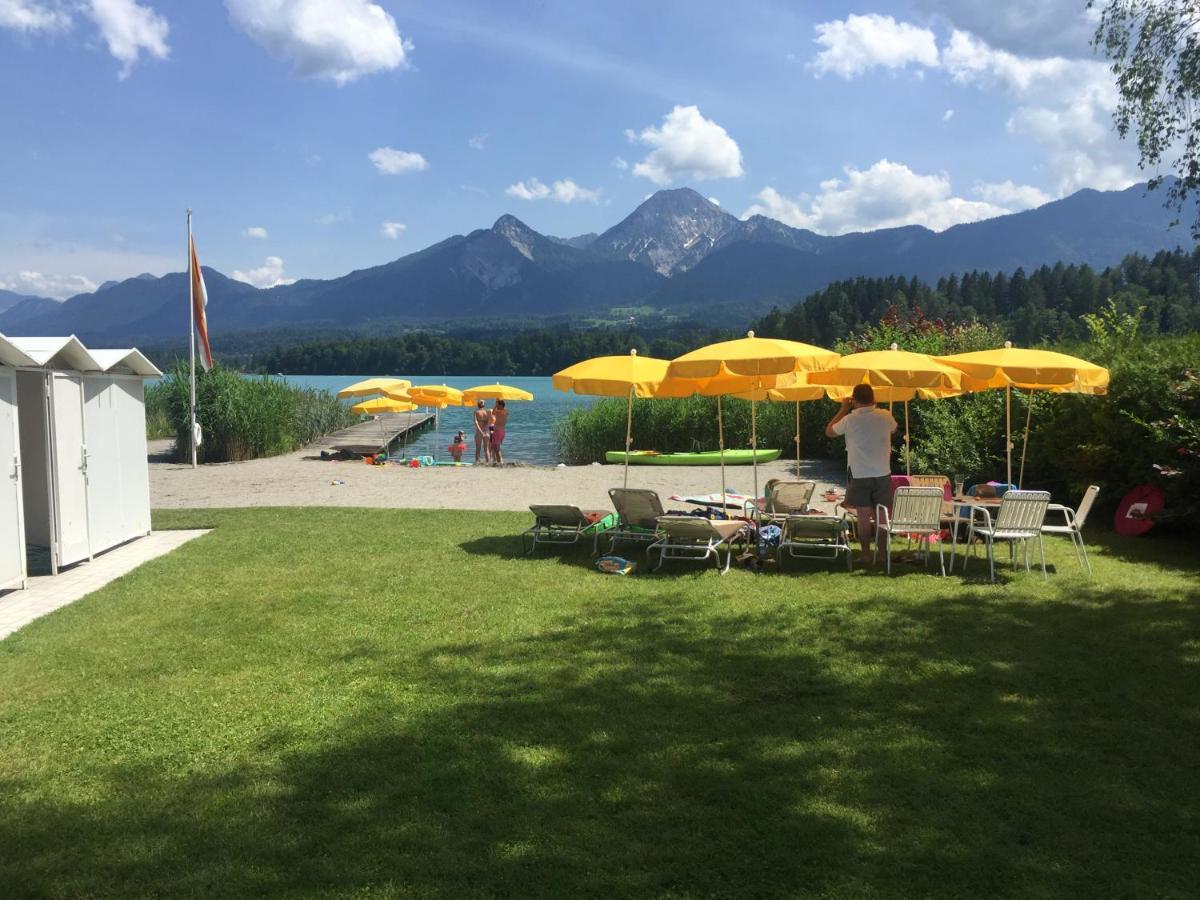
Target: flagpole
192,338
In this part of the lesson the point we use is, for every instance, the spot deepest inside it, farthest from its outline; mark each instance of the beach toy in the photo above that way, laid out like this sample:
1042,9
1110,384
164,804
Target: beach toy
615,565
1137,511
414,463
426,460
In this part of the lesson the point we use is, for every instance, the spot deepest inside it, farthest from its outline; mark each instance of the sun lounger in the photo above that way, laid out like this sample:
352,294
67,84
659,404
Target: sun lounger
815,537
563,525
638,510
787,498
693,537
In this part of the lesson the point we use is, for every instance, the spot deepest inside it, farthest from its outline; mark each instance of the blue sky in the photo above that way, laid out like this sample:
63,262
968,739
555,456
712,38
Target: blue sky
351,132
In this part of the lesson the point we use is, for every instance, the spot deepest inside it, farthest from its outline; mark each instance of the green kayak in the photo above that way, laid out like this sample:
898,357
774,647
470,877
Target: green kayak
707,458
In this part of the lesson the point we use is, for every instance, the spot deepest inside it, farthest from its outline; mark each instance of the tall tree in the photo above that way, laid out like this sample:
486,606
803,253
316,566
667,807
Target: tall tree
1154,47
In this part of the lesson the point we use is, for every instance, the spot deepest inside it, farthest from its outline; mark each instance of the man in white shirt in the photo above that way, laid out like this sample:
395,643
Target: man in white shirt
868,432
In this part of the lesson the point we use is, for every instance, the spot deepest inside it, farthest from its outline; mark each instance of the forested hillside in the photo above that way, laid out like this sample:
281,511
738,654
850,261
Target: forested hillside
1044,305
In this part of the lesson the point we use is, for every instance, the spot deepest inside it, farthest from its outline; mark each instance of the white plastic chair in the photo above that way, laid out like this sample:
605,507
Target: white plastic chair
1019,518
1073,527
915,511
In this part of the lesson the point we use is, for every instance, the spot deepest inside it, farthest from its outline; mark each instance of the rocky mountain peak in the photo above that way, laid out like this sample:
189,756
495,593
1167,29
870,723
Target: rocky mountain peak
523,238
670,231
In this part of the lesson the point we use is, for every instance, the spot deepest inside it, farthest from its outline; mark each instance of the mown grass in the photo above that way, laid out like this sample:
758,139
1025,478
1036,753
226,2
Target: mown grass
377,703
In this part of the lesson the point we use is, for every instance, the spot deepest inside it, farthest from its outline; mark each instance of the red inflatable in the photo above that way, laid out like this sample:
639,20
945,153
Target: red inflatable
1137,510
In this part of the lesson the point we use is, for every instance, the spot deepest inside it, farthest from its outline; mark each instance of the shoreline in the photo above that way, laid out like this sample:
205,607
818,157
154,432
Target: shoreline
302,479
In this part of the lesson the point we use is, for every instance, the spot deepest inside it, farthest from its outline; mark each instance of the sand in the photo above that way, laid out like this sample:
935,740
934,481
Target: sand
298,479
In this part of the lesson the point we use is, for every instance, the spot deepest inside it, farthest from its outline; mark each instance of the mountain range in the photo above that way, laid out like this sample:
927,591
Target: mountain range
678,253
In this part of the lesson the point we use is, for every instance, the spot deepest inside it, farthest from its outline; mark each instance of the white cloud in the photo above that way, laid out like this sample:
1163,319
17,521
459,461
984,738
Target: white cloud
529,189
255,231
1010,195
1025,27
392,230
886,195
28,16
687,144
567,191
130,28
478,141
620,164
714,201
57,287
563,191
397,162
329,218
1064,105
855,44
62,268
340,40
268,275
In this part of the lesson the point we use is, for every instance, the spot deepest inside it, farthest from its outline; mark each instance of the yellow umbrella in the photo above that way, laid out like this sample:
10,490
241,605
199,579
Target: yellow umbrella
893,373
373,386
495,391
615,376
1027,369
382,405
764,359
439,395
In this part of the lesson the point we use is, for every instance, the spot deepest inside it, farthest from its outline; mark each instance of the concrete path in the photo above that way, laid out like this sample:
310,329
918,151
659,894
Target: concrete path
46,593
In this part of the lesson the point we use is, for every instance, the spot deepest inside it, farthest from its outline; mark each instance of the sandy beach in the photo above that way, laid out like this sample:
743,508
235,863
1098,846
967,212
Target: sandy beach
299,479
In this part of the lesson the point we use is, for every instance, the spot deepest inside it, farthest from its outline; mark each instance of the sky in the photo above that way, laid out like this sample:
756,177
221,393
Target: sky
315,137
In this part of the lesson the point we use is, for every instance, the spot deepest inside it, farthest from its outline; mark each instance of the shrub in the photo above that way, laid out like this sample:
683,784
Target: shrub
245,418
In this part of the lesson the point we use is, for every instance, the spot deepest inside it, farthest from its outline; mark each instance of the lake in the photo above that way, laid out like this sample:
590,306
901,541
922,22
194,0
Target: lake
529,438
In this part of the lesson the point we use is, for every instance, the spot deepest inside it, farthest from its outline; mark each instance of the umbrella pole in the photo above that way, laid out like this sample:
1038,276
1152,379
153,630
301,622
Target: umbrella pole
628,435
1025,441
1008,429
754,440
797,437
907,443
721,447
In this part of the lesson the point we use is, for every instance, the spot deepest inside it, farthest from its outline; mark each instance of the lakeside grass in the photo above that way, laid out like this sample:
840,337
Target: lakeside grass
390,702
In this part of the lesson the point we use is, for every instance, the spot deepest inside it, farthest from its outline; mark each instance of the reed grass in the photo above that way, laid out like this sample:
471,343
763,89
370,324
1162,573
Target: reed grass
246,418
690,424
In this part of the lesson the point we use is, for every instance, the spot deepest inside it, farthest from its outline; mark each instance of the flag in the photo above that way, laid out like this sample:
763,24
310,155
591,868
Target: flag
199,302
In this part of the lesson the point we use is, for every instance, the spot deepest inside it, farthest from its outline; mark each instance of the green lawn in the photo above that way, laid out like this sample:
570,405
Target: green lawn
377,702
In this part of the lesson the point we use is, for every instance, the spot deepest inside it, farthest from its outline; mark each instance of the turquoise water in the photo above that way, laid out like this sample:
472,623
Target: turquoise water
529,438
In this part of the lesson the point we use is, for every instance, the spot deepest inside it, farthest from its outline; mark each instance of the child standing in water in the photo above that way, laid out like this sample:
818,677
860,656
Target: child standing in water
458,446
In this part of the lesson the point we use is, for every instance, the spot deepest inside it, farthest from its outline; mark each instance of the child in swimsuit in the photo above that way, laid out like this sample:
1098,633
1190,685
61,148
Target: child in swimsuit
458,446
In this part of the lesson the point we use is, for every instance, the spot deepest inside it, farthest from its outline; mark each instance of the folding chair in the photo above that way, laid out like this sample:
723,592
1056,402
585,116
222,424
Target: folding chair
787,498
561,525
638,510
1019,518
693,537
1073,527
815,537
915,511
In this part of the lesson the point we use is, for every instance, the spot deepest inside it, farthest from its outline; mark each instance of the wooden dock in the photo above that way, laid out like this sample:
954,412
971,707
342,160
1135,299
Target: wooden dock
375,435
